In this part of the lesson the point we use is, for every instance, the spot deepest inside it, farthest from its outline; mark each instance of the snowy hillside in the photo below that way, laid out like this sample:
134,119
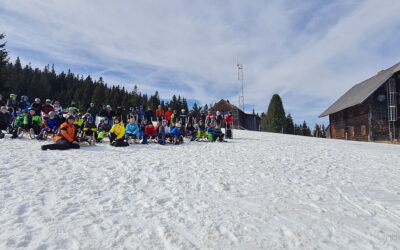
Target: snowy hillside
260,190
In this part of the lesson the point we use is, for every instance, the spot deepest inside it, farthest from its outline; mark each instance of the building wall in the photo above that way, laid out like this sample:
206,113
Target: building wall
367,121
350,124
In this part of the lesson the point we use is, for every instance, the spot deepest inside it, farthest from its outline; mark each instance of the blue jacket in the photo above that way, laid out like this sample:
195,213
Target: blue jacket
132,129
140,114
52,124
176,132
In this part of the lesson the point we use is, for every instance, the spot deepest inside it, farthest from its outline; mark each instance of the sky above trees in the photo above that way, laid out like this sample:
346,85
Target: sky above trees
309,52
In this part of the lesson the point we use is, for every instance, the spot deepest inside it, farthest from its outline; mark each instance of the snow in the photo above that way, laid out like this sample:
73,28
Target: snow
259,191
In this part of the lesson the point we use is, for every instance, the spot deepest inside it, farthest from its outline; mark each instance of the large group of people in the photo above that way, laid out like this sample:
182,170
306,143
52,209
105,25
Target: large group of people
70,128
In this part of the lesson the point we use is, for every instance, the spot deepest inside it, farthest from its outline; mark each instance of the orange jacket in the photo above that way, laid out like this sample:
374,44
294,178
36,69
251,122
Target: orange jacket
159,112
67,132
168,115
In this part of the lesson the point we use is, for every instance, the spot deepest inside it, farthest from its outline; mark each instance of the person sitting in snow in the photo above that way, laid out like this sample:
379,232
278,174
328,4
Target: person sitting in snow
176,133
149,133
32,120
132,130
89,127
103,129
5,120
66,137
117,134
50,125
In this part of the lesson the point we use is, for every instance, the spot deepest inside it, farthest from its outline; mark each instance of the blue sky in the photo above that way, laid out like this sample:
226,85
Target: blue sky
309,52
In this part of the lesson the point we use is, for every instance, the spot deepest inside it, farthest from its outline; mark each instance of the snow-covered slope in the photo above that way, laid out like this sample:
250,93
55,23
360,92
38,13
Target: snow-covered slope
260,190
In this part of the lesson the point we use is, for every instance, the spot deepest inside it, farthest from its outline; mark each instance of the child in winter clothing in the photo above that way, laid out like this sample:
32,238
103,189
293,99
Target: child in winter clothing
5,120
176,133
132,130
149,133
201,129
50,125
89,127
47,107
66,137
32,120
117,133
103,129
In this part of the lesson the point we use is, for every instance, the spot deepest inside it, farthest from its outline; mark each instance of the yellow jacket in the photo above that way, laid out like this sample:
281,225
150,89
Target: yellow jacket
119,130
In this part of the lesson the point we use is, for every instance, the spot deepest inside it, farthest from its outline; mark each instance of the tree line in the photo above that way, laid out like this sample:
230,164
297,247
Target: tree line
67,87
276,121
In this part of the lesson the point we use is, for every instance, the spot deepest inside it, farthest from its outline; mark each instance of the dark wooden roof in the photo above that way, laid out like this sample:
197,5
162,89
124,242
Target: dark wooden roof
224,105
360,92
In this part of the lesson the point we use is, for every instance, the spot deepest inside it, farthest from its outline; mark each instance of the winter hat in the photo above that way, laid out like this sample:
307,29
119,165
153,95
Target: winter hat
71,117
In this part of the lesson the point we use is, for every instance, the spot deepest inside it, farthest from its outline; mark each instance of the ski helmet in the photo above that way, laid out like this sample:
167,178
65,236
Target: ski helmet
48,101
3,108
89,118
52,113
37,99
13,95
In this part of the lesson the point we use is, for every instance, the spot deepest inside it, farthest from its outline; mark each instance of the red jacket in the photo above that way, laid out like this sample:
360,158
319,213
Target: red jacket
47,108
159,112
229,119
149,130
168,115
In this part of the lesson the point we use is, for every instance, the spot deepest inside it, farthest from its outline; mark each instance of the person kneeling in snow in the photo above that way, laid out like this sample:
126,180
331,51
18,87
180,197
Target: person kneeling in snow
117,134
66,138
176,134
132,130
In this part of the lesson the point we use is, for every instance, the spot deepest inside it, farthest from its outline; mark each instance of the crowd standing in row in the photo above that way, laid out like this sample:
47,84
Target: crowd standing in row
122,127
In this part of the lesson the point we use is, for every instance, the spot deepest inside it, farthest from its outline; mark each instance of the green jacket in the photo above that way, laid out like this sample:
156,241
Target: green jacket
30,120
19,120
92,112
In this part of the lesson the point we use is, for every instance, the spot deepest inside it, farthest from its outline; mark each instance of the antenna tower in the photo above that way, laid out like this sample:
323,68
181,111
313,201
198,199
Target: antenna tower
240,80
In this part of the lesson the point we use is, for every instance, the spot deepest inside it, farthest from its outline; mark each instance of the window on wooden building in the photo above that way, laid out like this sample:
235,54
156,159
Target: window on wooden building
351,131
363,130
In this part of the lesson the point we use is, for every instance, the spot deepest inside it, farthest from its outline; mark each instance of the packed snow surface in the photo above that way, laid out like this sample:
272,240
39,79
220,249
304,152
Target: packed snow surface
258,191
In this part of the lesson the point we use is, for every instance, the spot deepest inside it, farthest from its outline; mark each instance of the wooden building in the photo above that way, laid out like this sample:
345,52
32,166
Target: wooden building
241,120
369,110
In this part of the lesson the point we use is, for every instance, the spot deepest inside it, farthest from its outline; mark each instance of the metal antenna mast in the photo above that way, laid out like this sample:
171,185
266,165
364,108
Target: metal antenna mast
241,80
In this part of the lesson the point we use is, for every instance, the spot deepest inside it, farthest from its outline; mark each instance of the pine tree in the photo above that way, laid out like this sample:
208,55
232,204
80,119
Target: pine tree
275,118
289,125
3,64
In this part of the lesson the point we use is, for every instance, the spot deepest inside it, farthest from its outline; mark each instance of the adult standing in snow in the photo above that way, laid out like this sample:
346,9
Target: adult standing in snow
2,101
92,110
66,137
209,118
168,115
47,107
160,114
228,125
37,106
12,104
218,119
149,115
57,107
24,104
